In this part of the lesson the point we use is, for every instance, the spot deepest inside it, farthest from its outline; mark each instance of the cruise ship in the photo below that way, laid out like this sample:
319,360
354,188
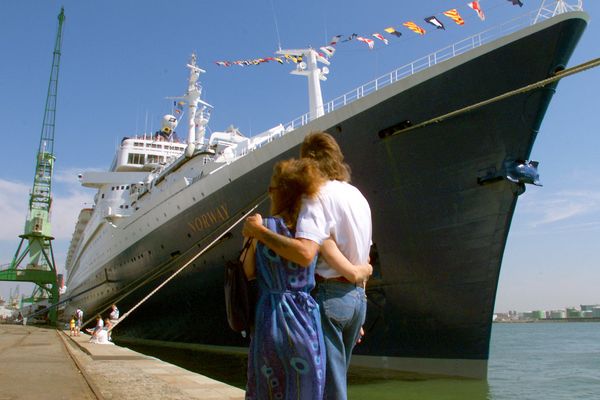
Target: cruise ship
441,172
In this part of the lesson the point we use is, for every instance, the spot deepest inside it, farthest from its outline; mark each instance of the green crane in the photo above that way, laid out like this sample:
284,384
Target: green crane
40,267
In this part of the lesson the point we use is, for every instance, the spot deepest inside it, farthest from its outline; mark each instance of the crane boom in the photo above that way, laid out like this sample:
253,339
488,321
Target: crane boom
41,199
40,267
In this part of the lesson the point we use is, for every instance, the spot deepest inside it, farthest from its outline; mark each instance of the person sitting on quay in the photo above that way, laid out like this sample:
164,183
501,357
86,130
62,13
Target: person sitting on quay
97,328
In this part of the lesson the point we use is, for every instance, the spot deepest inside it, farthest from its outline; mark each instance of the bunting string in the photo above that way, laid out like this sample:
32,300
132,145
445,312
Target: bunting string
391,33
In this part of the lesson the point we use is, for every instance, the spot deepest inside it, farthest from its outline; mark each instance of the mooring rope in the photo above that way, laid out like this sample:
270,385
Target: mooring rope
219,237
559,75
155,273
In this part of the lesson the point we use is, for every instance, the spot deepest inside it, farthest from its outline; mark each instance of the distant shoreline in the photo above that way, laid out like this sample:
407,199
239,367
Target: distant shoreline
526,321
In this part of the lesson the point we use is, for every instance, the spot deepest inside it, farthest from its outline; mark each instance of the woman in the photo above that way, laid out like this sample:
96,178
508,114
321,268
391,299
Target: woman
96,331
287,353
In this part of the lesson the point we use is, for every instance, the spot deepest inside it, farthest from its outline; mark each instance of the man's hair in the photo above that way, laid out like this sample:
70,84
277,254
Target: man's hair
291,180
323,148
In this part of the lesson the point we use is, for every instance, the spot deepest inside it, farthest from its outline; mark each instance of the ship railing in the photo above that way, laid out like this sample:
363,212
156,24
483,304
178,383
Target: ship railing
550,8
456,49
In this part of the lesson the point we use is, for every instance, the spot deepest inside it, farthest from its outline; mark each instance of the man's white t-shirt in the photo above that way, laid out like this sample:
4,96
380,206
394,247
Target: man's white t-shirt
341,212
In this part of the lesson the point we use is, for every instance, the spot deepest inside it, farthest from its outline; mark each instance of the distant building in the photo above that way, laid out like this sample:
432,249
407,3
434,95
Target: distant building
587,314
524,315
538,314
558,314
499,317
573,313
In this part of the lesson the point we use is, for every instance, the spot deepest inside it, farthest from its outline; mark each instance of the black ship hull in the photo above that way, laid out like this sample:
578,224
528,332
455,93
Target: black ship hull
440,225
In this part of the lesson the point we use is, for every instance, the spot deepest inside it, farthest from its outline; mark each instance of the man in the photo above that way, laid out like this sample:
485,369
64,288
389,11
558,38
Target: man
341,212
113,319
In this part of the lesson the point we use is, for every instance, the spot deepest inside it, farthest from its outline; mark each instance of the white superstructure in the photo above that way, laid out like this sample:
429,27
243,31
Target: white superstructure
146,184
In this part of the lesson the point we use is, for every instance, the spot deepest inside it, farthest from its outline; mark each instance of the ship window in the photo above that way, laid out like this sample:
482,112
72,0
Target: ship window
112,188
102,195
135,158
138,144
153,158
127,187
122,187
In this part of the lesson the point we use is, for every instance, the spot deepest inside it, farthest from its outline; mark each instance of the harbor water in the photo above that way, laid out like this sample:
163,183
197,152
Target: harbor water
527,361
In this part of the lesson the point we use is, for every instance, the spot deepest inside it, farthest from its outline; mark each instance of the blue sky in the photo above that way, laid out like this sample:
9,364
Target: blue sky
122,58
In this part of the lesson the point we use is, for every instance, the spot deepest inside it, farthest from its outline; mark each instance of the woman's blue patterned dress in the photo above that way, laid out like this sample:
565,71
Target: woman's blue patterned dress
287,354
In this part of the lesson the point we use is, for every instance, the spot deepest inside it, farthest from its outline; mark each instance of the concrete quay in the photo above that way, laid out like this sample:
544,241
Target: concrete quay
45,363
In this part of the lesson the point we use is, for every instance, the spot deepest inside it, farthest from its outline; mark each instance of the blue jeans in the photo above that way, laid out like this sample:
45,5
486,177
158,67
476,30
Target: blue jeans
343,311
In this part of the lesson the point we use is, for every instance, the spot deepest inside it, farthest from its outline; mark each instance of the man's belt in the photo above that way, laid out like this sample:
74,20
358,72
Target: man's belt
321,279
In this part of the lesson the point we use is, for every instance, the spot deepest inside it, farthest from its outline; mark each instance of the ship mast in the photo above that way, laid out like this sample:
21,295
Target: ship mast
308,67
197,119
